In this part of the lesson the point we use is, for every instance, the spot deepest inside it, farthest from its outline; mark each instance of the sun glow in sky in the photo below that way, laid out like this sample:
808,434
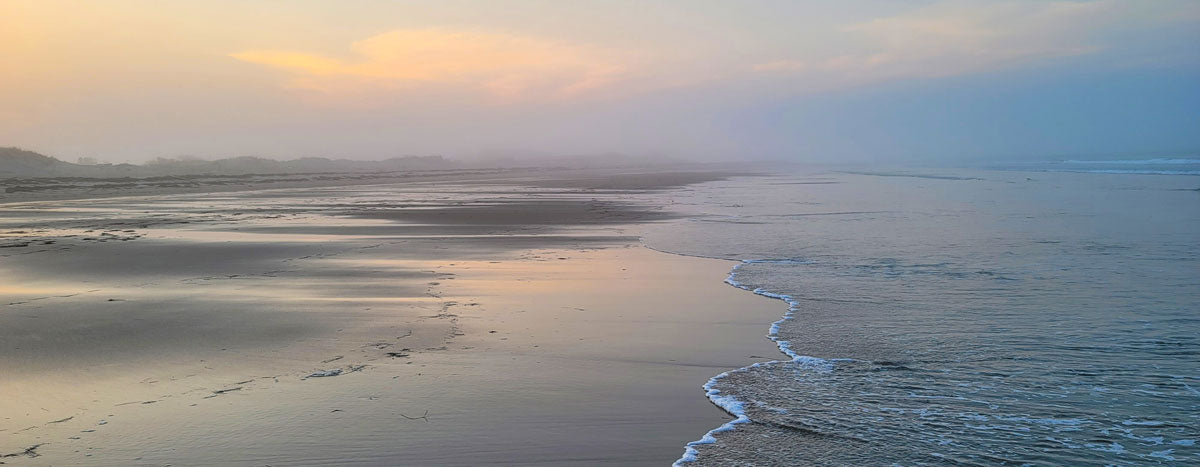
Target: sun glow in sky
862,80
503,65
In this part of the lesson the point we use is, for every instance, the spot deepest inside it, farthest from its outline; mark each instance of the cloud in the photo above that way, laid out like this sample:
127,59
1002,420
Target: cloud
958,37
781,65
503,66
954,38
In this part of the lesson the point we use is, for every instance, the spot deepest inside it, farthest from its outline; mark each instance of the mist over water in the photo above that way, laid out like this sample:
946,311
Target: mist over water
1155,166
978,317
379,195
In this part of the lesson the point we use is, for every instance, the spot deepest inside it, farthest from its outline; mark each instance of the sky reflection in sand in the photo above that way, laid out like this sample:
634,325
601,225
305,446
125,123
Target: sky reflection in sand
214,309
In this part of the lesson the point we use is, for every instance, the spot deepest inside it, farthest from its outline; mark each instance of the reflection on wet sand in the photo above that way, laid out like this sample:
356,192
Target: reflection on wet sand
376,325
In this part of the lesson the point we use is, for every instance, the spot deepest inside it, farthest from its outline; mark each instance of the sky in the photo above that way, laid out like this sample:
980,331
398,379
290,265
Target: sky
807,81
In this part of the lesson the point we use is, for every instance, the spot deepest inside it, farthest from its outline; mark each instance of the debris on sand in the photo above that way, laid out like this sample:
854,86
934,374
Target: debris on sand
325,373
335,371
29,451
223,391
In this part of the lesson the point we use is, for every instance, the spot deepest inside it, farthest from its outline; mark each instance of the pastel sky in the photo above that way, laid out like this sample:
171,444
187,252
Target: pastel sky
894,80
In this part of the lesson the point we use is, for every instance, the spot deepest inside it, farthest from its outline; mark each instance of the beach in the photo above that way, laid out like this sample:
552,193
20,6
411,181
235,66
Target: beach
695,234
513,318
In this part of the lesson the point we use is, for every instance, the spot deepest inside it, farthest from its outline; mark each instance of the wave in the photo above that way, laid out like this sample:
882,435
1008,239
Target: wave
1155,166
1128,171
731,404
1156,161
911,175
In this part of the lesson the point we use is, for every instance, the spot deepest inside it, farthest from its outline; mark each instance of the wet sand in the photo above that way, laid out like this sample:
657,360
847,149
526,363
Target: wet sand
23,189
516,321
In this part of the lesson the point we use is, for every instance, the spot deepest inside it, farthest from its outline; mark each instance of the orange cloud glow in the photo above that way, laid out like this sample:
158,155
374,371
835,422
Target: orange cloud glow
501,65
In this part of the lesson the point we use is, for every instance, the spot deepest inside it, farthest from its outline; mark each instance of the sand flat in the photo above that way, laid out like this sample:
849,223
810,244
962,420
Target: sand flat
557,339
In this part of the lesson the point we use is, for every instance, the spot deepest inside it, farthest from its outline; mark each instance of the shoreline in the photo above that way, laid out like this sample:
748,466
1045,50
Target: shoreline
567,178
731,404
447,349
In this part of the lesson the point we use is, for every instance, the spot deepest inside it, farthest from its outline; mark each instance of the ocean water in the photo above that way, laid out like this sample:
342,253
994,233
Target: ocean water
979,317
1155,166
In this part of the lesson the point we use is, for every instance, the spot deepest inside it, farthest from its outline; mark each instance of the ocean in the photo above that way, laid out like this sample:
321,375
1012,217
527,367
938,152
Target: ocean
1033,314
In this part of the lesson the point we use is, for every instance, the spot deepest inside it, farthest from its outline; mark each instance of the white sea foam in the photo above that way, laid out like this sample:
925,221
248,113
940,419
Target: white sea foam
731,404
1164,454
727,403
